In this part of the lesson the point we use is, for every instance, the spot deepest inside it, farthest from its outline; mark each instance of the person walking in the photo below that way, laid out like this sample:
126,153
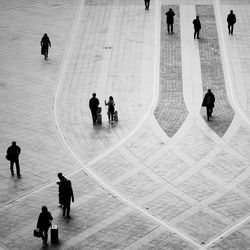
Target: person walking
147,2
13,153
208,102
93,105
170,20
61,186
231,20
44,223
45,44
68,195
197,27
111,108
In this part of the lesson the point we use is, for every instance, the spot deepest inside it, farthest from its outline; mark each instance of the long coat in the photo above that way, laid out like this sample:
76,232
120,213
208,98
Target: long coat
44,220
208,100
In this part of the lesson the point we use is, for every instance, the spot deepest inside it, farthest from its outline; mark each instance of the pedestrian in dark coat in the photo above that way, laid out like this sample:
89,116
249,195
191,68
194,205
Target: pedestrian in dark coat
197,27
170,20
45,44
111,108
13,153
44,223
61,186
208,102
93,105
67,197
147,2
231,20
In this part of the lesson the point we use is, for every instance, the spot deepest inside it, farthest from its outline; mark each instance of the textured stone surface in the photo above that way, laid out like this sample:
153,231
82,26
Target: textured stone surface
212,71
170,111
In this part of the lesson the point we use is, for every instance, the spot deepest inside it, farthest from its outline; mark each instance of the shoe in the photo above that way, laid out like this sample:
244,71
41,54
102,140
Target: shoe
68,216
19,176
12,174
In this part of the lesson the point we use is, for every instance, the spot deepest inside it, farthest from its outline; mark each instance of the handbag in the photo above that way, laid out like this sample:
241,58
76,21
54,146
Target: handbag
8,157
37,233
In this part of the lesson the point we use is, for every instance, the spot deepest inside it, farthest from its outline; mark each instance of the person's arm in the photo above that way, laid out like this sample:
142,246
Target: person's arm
49,43
19,151
72,195
50,217
38,225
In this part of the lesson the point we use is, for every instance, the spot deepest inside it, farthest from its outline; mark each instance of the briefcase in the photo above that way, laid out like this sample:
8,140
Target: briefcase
54,234
116,116
37,233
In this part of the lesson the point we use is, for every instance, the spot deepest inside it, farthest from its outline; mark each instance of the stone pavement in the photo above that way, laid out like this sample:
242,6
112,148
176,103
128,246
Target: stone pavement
160,178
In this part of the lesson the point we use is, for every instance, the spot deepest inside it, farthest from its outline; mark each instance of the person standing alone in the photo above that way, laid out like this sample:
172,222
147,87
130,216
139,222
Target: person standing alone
197,27
45,44
231,20
13,153
170,20
44,223
208,102
93,105
147,4
68,195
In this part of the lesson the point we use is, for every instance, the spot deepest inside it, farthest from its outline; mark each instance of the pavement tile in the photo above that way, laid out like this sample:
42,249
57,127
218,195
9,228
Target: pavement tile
168,166
167,241
241,141
167,206
226,166
195,143
138,186
145,143
234,241
245,185
119,234
202,226
232,205
212,71
198,186
110,168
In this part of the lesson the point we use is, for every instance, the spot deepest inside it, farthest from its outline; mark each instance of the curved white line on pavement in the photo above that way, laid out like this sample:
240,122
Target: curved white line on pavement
149,111
226,63
227,232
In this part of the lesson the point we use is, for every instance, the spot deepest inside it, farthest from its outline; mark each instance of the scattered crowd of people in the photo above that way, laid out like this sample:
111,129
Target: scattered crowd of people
65,191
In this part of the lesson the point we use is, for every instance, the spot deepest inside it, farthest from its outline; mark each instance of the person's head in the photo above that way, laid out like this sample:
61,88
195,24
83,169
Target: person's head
231,12
60,175
197,17
209,90
111,98
94,94
13,143
45,35
44,209
170,9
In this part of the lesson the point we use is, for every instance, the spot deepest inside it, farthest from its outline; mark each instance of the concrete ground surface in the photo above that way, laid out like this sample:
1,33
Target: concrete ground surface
162,177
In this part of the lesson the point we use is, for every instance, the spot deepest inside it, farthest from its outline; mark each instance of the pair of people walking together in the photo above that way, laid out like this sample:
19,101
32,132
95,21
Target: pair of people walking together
93,105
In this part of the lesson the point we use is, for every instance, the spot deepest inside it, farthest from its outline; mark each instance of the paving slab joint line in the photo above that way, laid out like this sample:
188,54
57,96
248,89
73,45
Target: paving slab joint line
140,123
227,232
226,63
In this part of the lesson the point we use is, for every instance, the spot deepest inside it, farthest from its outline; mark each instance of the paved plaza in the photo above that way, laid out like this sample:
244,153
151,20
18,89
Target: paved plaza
162,177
